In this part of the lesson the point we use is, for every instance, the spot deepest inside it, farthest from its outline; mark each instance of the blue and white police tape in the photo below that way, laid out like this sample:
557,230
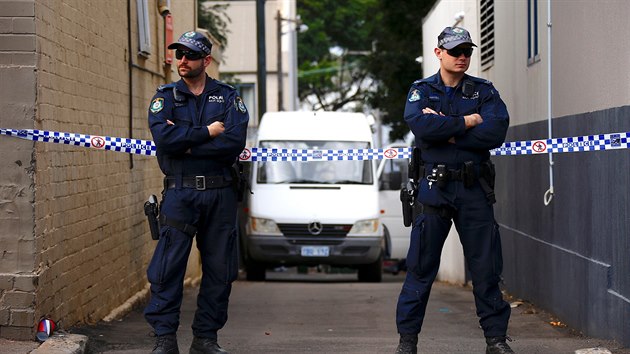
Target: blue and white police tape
130,146
611,141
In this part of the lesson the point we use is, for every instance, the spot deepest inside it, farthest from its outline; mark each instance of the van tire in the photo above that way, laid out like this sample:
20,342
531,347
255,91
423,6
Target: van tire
371,273
255,271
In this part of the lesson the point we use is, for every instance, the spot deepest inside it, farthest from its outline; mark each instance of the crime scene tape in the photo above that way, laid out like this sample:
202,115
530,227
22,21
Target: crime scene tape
611,141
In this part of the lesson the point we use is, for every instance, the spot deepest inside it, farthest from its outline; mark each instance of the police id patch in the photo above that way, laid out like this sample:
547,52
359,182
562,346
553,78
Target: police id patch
157,104
240,106
415,96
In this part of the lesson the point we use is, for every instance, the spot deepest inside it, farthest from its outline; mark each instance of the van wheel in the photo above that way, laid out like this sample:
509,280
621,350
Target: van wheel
373,272
255,271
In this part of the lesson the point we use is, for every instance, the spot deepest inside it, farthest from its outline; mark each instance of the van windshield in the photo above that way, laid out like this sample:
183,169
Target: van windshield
315,172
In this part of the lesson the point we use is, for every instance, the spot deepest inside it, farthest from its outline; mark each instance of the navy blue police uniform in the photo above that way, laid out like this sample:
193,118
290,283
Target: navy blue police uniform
464,199
199,200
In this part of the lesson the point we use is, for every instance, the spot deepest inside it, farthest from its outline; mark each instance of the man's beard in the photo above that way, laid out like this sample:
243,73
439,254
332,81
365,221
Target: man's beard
191,72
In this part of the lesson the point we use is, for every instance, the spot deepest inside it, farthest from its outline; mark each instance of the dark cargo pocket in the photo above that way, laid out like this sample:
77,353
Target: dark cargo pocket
497,255
414,261
232,259
157,267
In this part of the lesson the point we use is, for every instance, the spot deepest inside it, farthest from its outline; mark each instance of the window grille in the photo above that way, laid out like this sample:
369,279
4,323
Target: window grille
486,19
144,33
532,32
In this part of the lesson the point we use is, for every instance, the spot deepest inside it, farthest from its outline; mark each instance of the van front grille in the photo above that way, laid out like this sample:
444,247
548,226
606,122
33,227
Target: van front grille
302,230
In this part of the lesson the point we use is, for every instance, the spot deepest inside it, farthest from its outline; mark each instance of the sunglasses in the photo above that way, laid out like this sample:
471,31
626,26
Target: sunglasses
456,52
189,54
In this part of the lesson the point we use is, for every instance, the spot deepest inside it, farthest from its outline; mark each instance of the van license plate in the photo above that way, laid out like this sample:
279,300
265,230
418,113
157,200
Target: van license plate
315,251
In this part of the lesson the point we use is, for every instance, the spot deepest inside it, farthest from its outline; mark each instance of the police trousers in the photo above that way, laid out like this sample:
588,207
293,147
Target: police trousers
479,234
213,212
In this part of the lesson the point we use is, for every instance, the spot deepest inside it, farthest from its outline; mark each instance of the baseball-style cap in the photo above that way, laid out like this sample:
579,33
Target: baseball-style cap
451,37
193,41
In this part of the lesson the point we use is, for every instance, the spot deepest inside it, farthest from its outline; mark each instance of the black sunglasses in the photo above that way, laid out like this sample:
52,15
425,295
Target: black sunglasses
456,52
189,54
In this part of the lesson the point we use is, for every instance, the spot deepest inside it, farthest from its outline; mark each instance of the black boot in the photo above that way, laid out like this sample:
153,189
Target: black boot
408,344
166,344
497,345
205,346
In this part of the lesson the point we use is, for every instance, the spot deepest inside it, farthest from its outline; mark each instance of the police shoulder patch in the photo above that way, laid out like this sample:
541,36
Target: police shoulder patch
240,106
415,96
157,105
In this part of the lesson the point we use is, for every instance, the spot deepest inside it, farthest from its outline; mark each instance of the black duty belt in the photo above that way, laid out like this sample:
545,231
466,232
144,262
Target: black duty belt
200,183
441,174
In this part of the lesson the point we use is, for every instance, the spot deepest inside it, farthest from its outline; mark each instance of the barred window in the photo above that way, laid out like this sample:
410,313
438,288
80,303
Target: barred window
532,32
486,19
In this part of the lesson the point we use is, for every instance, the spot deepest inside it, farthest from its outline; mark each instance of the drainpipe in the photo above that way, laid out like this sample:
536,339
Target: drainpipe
130,71
549,193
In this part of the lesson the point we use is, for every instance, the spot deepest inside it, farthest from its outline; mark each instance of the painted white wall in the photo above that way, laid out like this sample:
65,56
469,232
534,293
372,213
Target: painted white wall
589,59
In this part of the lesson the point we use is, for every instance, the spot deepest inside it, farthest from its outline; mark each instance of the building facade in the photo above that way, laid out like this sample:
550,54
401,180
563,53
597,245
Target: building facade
73,237
570,257
240,65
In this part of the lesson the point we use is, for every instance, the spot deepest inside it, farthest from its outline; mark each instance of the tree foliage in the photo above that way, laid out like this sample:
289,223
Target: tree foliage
387,33
393,64
214,19
334,81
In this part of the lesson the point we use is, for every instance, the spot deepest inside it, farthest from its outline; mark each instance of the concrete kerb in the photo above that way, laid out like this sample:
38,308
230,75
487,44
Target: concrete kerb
63,344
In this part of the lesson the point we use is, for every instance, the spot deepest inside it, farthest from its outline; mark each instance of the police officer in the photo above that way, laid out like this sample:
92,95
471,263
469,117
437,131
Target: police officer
199,127
456,120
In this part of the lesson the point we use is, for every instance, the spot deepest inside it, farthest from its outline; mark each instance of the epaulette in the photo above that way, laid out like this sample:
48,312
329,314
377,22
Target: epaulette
224,84
422,81
480,80
161,88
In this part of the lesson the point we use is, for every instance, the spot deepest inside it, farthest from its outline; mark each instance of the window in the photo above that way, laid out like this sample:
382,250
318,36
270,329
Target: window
315,172
144,34
486,19
532,32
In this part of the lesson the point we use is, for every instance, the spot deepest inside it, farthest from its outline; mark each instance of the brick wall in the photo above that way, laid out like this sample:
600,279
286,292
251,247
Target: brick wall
74,239
17,109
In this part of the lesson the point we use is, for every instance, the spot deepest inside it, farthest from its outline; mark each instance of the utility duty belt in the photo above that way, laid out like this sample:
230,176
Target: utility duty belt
440,174
200,183
468,174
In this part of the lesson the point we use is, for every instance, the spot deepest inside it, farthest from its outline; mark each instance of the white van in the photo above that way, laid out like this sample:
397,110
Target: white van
315,212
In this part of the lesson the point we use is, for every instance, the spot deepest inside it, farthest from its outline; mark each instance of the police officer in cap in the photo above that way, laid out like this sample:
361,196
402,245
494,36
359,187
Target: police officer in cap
456,120
199,127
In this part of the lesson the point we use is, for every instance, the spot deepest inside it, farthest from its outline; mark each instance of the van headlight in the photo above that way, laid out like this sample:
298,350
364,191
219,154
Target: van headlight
363,227
262,226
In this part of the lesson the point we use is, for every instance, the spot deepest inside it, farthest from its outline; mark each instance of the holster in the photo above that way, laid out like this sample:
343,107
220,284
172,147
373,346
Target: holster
152,211
407,200
487,175
240,180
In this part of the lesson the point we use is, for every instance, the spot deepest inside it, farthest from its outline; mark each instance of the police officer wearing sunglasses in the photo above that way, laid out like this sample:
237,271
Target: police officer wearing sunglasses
456,120
199,126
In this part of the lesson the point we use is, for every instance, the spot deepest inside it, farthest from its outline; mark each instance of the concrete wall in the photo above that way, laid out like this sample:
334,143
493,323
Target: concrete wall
570,257
73,236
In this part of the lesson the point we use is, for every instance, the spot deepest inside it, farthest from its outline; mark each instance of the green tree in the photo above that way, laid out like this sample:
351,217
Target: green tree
213,18
388,36
393,64
333,81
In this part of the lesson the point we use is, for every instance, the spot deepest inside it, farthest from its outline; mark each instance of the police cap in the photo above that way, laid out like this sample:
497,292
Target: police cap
451,37
193,41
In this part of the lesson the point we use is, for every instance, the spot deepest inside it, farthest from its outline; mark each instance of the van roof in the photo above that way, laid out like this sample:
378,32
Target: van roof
303,125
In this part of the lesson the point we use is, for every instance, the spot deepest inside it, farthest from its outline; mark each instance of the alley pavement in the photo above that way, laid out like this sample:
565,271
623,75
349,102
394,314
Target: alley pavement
333,313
